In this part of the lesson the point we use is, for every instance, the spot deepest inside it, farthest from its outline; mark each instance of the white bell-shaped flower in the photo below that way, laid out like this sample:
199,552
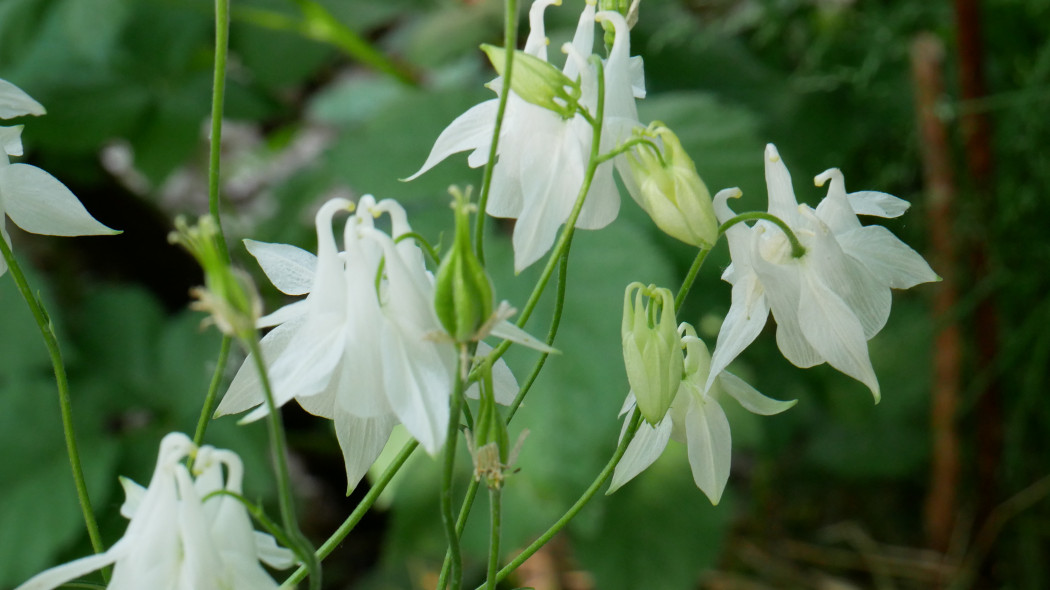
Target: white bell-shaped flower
178,538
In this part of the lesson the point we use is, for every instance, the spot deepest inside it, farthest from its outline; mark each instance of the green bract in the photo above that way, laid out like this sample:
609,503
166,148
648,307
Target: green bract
668,188
537,81
463,291
652,349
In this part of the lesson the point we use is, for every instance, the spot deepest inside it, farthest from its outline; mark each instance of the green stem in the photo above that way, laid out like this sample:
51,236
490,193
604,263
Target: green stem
603,477
510,43
279,447
690,277
451,438
797,249
47,330
461,523
561,247
359,512
559,306
218,96
495,510
213,391
628,145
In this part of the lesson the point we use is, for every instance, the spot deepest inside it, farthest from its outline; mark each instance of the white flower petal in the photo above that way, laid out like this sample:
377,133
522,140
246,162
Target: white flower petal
745,320
418,383
644,449
750,398
271,553
782,202
56,576
11,140
470,131
14,102
509,331
283,315
893,262
877,204
710,447
245,391
504,384
362,440
835,332
38,203
289,268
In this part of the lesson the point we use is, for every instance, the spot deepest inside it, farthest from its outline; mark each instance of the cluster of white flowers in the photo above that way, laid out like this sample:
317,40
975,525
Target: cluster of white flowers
36,201
184,532
365,347
543,155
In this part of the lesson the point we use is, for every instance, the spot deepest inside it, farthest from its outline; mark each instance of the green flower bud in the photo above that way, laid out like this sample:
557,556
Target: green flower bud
537,81
229,294
463,292
668,188
652,349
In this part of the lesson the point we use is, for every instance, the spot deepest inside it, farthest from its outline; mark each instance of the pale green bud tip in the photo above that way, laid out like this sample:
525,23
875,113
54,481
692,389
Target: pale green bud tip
229,294
463,292
669,188
652,349
537,81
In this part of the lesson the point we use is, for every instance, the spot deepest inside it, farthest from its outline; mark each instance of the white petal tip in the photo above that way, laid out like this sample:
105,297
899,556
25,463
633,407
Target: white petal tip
771,153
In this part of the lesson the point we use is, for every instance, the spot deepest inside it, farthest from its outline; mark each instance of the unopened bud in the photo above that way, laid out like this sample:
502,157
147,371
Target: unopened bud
652,349
668,188
463,292
537,81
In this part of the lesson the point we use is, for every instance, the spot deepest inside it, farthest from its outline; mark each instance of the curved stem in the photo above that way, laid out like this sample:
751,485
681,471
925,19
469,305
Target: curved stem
797,249
359,512
599,481
630,143
690,277
510,43
47,330
495,509
213,391
279,447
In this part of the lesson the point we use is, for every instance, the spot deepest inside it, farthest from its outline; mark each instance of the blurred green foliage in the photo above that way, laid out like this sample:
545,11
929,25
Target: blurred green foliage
827,81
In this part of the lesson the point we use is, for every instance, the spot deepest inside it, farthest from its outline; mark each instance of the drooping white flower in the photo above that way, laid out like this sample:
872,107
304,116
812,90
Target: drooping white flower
36,201
543,156
365,348
829,302
696,419
177,537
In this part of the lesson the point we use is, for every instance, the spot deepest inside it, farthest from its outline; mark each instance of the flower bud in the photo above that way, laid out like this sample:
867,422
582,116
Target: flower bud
463,291
229,294
537,81
652,349
668,188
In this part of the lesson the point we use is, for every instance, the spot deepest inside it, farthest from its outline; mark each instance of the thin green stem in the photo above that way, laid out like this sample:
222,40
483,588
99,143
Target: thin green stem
797,249
596,485
359,512
218,97
47,330
451,438
495,523
510,43
559,306
213,391
690,277
461,523
628,145
279,448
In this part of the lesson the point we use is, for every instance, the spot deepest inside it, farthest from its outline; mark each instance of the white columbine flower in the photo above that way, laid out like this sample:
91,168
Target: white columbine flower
542,156
36,201
365,348
832,300
696,419
177,539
